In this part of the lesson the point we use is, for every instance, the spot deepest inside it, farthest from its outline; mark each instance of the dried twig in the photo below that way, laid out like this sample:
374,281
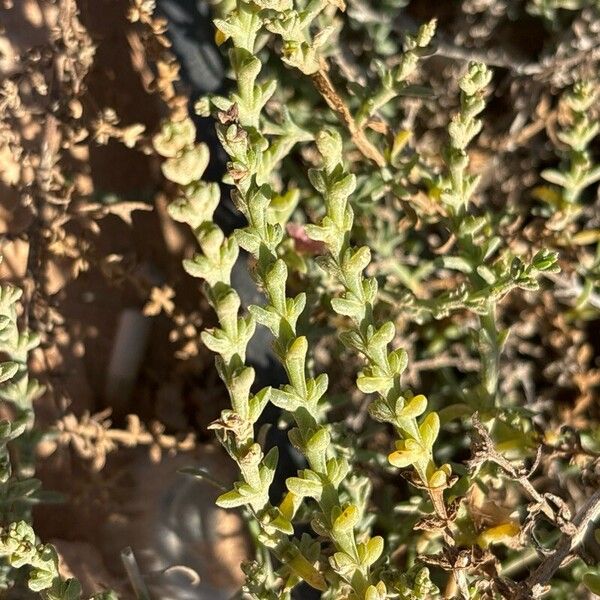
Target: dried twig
484,450
589,513
335,102
93,438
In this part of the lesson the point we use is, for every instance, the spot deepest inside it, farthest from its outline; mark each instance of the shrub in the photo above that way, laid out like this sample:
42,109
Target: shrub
381,237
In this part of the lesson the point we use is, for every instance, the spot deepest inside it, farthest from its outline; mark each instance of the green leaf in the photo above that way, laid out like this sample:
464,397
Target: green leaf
408,452
45,573
546,260
248,239
357,261
216,341
337,470
413,408
8,370
369,385
347,520
232,499
343,563
486,274
266,316
295,360
174,136
285,399
188,167
342,188
377,592
239,384
60,590
456,263
398,360
304,487
270,460
275,283
348,308
317,179
304,569
384,335
429,429
257,403
316,388
319,442
373,550
280,523
329,143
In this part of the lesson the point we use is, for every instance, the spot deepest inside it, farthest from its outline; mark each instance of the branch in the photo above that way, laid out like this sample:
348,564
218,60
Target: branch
484,449
589,512
335,102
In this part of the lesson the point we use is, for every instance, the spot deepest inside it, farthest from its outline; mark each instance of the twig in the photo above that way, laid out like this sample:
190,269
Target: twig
93,438
335,102
530,555
589,512
462,363
486,451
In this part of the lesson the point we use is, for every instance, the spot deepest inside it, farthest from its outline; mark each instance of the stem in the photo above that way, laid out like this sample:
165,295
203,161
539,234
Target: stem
490,358
335,102
587,515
